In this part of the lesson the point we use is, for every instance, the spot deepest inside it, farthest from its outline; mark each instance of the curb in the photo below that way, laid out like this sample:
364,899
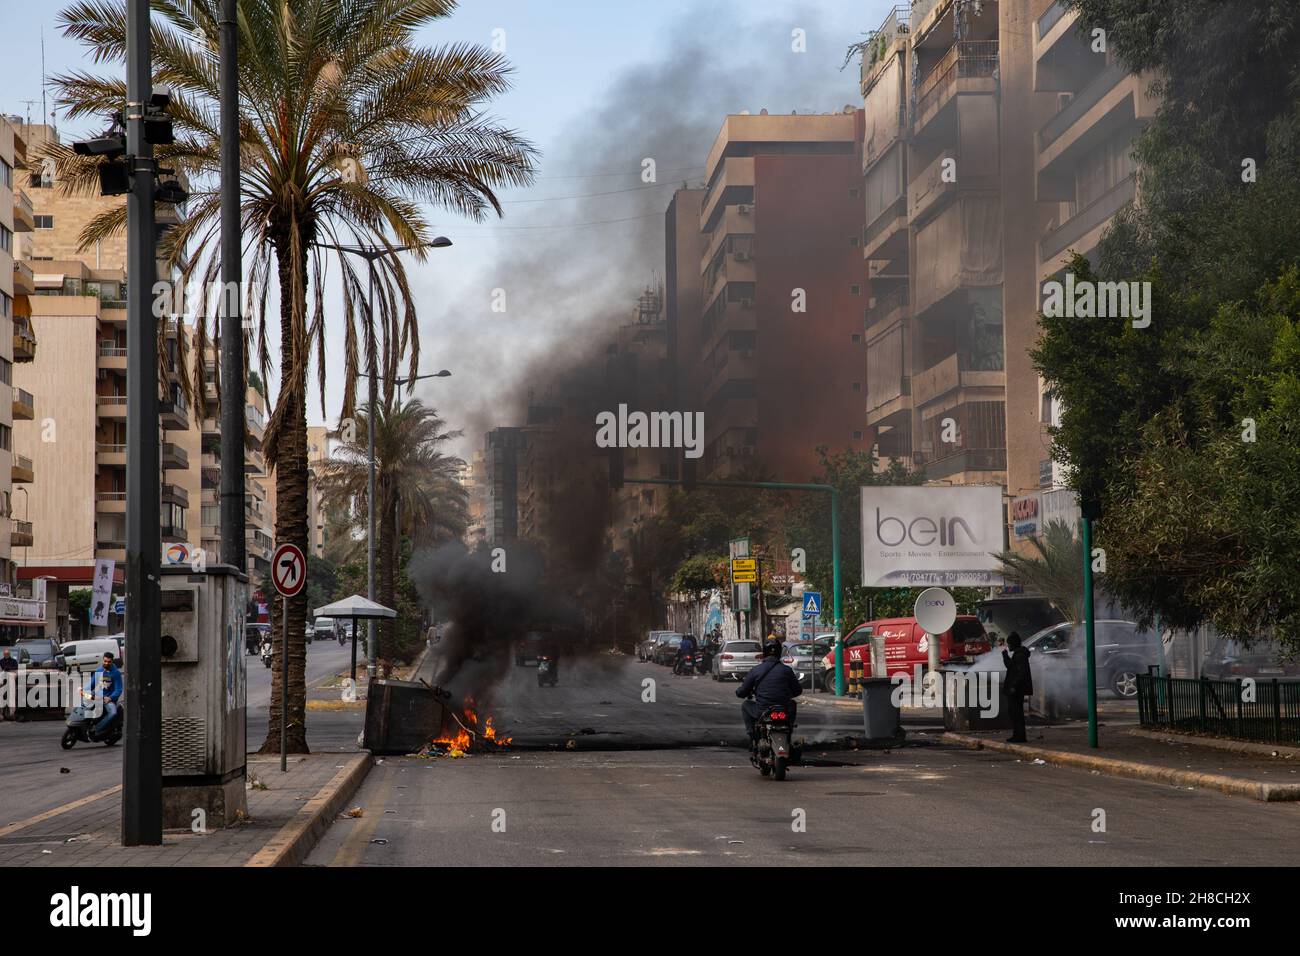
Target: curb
294,840
1219,743
1234,786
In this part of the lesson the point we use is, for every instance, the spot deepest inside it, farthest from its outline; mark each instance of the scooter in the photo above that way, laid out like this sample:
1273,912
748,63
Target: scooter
81,725
266,653
547,672
772,752
685,664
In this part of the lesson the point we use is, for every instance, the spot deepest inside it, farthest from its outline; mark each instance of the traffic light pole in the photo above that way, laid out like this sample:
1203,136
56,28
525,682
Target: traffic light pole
142,750
835,543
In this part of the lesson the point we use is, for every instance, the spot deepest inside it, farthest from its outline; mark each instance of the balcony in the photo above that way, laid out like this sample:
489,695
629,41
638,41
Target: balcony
210,462
1080,103
174,494
881,44
734,184
111,406
110,453
885,239
24,278
888,308
979,464
172,414
731,317
1076,232
173,533
24,216
24,405
110,502
22,470
24,342
951,375
20,534
112,356
254,464
967,68
112,548
732,223
1051,16
173,457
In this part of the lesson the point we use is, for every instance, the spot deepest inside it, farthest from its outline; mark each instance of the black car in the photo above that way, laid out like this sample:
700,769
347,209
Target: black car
42,652
1122,651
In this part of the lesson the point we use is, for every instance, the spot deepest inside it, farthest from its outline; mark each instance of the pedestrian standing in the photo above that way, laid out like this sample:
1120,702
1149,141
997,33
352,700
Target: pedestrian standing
1018,684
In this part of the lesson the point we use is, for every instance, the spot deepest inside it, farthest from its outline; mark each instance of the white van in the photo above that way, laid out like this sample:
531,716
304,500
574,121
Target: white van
89,654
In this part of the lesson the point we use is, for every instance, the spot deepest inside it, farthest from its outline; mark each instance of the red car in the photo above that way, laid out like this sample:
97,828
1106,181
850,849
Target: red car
907,644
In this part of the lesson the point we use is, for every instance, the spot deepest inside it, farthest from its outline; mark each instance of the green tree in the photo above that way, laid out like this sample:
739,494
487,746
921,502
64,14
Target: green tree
417,492
346,127
1052,567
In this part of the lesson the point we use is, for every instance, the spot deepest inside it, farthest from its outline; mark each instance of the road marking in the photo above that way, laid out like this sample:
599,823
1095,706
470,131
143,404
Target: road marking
6,830
355,843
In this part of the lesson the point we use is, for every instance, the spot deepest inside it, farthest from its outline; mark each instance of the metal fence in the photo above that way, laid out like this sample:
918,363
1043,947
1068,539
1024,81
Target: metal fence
1265,710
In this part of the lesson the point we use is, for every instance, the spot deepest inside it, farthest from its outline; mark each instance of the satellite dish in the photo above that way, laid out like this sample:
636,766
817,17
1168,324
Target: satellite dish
935,610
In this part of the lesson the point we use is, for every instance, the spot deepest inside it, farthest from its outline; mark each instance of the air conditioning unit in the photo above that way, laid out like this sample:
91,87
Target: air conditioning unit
745,209
1063,100
742,256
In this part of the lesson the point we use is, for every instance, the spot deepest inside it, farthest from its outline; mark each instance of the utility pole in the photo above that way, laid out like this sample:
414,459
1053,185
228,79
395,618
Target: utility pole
142,752
233,545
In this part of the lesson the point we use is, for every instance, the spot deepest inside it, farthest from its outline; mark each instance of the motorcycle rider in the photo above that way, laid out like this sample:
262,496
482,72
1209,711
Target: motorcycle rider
687,646
772,684
107,680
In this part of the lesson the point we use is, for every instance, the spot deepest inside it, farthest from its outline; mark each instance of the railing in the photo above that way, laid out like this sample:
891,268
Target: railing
25,397
110,496
1080,103
23,202
1219,707
22,461
965,59
21,527
112,351
110,399
886,304
1087,219
1049,18
110,448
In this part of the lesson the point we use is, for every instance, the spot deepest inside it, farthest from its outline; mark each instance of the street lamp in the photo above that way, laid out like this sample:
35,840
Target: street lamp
372,254
412,379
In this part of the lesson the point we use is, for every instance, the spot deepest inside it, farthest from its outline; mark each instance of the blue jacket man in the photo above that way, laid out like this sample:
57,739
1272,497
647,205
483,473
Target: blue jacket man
107,682
772,684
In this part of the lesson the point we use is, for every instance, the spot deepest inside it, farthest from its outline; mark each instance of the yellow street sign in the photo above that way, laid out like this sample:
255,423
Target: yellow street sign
744,577
744,564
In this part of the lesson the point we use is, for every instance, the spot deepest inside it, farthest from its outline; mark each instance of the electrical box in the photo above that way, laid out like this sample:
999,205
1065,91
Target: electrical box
204,695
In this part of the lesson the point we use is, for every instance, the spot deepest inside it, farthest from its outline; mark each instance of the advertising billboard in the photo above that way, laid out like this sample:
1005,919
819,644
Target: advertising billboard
931,537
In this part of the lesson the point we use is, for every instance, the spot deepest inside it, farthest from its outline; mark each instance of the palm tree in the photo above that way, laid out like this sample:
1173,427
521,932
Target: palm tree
418,494
346,128
1053,568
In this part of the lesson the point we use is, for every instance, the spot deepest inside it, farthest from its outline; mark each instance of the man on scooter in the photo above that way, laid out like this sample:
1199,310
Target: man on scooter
771,683
108,680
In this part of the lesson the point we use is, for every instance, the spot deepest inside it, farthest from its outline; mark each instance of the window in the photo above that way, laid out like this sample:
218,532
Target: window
6,239
6,175
44,222
6,371
857,386
857,436
6,437
856,337
855,290
6,305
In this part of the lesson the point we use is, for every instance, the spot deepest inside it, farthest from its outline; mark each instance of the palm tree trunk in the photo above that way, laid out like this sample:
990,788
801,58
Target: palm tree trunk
290,510
389,543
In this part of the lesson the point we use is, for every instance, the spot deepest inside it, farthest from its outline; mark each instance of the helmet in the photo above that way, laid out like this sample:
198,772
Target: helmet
771,647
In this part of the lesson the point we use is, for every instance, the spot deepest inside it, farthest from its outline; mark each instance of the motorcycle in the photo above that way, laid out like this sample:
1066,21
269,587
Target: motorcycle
685,664
773,752
81,725
546,672
266,653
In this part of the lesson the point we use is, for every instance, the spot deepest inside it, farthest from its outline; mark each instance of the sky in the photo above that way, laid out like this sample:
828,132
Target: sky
598,86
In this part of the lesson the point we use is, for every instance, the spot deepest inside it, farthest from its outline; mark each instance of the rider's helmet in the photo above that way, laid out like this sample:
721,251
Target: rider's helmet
771,647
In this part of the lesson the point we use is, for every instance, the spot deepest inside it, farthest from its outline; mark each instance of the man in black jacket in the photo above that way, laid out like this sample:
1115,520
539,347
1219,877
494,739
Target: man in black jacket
1018,684
772,684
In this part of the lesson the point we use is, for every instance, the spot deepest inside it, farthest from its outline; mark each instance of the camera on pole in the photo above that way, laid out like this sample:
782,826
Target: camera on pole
116,166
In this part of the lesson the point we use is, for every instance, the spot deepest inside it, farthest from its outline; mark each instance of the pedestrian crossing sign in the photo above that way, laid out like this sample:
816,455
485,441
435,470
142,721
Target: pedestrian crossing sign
812,603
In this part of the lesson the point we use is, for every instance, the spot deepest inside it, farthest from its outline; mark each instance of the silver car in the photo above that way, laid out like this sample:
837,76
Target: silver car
796,654
645,649
736,659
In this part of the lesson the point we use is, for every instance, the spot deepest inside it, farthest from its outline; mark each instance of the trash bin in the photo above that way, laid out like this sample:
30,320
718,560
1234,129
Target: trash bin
880,715
401,716
962,705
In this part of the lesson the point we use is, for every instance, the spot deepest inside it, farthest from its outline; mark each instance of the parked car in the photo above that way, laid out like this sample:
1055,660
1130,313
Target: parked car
89,654
43,652
1263,660
735,659
1122,651
808,661
665,652
645,647
907,645
324,628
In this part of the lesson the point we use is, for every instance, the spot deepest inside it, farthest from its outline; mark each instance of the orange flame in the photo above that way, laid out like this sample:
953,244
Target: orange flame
466,735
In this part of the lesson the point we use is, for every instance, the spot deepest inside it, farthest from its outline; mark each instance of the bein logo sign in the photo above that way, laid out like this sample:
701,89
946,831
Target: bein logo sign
921,531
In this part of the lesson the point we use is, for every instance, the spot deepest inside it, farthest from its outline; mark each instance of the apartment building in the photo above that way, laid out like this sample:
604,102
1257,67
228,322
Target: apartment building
476,488
932,242
1070,116
501,451
318,453
17,344
774,351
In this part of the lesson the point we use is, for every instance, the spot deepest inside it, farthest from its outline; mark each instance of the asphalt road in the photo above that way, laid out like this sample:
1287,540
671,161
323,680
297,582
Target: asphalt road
32,763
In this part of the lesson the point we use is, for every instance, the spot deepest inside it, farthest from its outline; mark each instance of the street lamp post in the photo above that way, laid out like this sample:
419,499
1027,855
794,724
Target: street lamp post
372,254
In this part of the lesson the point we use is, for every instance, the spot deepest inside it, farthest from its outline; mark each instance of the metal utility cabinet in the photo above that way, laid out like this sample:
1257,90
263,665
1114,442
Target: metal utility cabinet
204,696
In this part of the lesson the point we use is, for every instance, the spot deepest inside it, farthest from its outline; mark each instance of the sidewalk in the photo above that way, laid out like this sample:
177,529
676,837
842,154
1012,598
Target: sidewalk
287,813
327,693
1258,772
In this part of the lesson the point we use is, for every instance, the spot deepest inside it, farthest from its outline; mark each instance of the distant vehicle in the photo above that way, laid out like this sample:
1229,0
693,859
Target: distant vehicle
652,654
43,652
807,660
736,659
645,647
324,628
665,651
1263,660
529,649
253,635
1122,651
907,645
89,654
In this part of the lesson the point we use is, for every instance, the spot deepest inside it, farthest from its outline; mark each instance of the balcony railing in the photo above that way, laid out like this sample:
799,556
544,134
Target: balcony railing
1086,220
112,350
1050,17
21,527
22,461
965,59
1080,103
886,304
